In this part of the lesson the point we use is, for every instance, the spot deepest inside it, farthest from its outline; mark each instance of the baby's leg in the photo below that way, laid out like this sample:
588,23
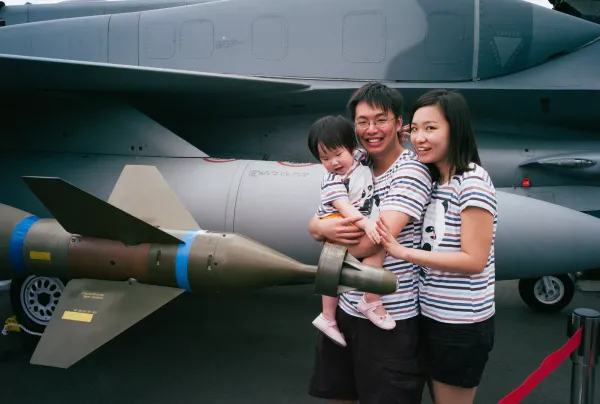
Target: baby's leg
375,260
326,321
371,303
329,307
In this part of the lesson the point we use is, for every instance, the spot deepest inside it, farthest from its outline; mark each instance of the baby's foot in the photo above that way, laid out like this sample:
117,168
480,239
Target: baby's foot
375,312
330,329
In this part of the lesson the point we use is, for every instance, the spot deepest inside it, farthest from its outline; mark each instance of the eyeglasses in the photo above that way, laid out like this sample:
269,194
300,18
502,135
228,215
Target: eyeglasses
380,123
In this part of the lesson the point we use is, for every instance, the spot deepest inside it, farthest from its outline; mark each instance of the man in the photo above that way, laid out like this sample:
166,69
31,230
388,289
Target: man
378,366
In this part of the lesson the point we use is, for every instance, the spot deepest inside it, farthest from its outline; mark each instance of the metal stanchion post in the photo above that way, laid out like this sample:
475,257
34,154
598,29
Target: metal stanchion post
585,357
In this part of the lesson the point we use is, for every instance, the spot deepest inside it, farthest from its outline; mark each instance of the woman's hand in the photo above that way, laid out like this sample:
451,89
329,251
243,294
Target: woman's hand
389,242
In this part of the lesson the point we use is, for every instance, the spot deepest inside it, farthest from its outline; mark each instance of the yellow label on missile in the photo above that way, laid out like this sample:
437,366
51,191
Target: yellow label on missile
39,255
73,316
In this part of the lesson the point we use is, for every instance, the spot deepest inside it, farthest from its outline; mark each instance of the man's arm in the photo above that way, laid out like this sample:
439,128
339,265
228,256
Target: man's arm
410,191
313,229
336,230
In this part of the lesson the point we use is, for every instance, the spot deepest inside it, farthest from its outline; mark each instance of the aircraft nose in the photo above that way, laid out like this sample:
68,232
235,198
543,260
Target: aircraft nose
515,35
536,238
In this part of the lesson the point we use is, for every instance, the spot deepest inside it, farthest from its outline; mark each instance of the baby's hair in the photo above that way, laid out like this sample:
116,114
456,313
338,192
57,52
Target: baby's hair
331,132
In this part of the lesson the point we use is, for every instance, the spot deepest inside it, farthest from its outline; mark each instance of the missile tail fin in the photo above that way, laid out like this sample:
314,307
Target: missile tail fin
142,192
92,312
79,212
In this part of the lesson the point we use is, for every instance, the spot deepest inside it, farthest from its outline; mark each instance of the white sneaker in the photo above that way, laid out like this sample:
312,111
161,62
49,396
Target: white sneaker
330,329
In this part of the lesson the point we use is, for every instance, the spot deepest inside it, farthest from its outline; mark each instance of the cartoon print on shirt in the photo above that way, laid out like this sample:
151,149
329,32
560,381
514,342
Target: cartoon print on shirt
434,225
361,190
375,207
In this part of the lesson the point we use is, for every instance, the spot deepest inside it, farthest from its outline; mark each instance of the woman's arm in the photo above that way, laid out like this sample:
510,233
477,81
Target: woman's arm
477,229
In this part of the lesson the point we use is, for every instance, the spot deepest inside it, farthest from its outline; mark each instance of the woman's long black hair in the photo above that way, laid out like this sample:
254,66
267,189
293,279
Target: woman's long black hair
462,148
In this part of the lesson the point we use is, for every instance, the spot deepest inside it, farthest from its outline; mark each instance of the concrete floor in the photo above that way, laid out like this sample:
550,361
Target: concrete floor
198,350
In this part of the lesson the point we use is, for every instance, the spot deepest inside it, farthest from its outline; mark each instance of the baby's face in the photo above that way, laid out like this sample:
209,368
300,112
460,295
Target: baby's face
338,160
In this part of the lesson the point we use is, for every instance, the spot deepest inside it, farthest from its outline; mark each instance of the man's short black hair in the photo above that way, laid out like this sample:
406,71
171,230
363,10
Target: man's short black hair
377,95
332,132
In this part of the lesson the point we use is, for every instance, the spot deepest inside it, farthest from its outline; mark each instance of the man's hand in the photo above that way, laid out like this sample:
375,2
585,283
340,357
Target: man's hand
371,230
340,230
404,134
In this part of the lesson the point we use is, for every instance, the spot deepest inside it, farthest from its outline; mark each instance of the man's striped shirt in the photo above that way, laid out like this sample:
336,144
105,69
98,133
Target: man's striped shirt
405,187
447,296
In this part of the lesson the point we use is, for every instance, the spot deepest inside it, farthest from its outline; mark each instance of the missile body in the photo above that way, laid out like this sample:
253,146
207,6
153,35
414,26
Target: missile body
206,262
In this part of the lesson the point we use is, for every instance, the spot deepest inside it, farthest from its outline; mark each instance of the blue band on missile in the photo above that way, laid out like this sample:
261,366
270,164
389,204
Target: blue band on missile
17,241
181,260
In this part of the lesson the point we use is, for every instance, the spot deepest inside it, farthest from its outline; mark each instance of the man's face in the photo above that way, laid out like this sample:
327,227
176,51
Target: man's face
377,131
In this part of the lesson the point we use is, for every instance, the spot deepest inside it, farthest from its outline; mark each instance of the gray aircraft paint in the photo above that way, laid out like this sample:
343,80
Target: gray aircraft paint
29,13
386,40
271,202
157,98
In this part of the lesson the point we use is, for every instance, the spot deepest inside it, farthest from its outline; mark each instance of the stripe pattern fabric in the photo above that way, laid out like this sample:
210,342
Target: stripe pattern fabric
405,187
451,297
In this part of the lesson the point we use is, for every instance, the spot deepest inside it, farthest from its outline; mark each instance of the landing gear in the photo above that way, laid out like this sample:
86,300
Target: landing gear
34,300
549,293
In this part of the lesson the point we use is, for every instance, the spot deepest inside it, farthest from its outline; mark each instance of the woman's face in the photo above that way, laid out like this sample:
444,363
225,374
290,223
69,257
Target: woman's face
430,134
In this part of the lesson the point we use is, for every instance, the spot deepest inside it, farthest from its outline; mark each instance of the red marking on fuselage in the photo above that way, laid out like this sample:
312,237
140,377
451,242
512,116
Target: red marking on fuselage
285,163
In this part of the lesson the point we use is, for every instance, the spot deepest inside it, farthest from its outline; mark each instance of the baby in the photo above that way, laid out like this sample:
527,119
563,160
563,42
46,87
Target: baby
346,191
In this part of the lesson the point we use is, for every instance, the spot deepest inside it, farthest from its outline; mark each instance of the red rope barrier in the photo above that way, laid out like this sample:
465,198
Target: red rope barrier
548,366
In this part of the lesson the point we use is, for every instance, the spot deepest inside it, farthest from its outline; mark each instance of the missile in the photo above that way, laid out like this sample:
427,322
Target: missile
193,260
122,268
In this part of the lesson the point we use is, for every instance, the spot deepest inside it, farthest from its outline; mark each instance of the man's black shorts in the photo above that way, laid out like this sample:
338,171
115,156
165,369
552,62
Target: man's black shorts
456,354
376,367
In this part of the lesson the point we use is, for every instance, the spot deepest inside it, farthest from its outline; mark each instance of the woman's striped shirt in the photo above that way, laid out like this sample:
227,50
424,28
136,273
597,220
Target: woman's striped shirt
451,297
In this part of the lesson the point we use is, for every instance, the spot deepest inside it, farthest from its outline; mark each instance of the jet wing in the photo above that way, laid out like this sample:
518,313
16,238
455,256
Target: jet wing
36,73
92,312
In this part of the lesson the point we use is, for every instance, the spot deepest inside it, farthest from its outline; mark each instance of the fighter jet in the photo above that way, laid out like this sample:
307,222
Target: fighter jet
219,96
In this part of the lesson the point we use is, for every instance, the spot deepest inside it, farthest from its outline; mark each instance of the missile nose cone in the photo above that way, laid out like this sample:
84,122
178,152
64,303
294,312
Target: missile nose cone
550,239
340,272
230,263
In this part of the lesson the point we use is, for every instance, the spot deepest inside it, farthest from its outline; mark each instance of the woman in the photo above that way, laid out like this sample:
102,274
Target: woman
456,285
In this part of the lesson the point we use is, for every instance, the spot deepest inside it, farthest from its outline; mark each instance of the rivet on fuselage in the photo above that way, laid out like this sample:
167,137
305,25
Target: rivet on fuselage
209,262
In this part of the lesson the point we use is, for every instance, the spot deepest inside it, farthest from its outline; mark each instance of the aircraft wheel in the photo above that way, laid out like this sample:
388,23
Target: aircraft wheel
536,294
34,300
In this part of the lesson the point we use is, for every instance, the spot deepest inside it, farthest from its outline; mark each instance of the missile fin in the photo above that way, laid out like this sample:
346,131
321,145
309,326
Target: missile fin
79,212
142,192
92,312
